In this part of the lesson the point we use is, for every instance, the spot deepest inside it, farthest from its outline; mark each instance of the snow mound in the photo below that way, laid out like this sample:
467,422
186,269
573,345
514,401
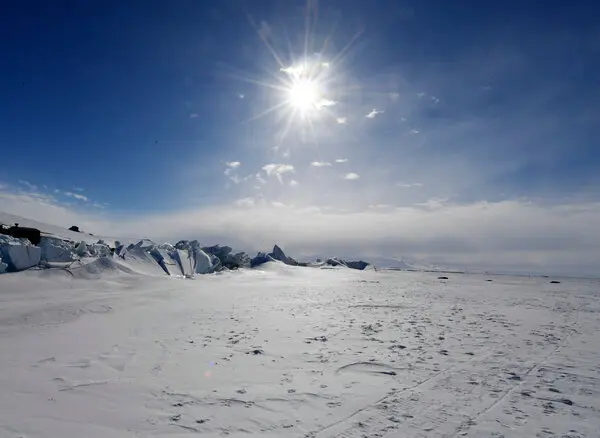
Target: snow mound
3,266
18,254
102,267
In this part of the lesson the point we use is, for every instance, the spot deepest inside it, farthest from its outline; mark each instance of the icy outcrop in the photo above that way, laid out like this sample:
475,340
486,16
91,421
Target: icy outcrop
57,250
238,260
204,264
222,257
82,249
360,265
260,259
99,250
18,254
221,252
277,254
186,262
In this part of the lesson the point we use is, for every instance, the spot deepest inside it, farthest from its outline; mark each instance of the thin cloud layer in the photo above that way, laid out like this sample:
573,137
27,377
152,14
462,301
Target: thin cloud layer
551,239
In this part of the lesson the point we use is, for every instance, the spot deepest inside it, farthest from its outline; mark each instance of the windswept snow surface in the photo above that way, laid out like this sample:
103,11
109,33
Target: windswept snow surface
297,352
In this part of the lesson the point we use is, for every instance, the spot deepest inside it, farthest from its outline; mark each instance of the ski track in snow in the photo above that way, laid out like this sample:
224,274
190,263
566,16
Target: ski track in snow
299,352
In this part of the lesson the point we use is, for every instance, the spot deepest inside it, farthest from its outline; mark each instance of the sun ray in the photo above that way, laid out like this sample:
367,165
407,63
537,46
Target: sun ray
267,111
264,40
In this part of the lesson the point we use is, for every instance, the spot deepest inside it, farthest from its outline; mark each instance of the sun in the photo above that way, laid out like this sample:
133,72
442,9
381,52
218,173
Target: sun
304,95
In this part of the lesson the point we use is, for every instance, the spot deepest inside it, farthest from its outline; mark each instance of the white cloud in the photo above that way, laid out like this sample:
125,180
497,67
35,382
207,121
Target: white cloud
294,71
325,64
230,172
77,196
435,100
408,185
351,176
241,96
403,119
394,96
78,189
341,160
278,169
294,183
420,95
324,103
28,184
341,120
374,112
320,164
414,131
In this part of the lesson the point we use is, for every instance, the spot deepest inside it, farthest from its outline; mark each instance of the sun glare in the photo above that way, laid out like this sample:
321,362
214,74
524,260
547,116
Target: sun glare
304,95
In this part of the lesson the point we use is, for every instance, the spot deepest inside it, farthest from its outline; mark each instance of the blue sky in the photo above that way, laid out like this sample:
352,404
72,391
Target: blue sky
152,110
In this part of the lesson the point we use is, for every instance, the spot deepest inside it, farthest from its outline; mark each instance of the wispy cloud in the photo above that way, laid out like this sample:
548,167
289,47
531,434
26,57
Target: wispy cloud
394,96
294,183
294,71
194,116
374,112
28,184
325,103
351,176
341,120
320,164
409,185
260,180
78,189
341,160
77,196
278,169
414,131
233,164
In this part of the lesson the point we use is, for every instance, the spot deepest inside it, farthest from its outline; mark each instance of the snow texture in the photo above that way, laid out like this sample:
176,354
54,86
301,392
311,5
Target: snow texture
282,351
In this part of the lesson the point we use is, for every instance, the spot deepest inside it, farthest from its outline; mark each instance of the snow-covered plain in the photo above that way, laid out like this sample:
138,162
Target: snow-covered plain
286,351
